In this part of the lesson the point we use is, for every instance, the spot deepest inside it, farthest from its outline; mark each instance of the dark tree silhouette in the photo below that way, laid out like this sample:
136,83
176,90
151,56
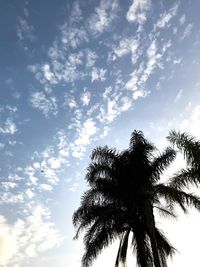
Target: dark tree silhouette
190,148
124,191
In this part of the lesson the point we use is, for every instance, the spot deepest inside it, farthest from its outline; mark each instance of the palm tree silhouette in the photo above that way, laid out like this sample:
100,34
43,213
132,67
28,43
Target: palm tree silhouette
190,148
122,197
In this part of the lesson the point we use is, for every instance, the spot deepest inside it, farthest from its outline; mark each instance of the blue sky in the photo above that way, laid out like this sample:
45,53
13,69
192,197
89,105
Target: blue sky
75,75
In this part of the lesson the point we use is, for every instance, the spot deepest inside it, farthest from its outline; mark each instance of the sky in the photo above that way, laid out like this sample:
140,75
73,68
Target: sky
79,74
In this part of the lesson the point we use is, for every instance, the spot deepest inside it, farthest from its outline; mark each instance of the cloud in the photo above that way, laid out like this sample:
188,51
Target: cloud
127,46
7,242
25,31
86,131
104,15
73,36
138,11
85,98
139,93
47,105
166,17
153,59
113,108
182,19
191,122
9,127
27,237
98,74
178,96
76,13
187,31
91,58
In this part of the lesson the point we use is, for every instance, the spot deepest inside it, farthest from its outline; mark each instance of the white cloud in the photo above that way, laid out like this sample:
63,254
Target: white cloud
192,121
153,59
48,74
139,93
166,17
87,130
46,187
91,58
25,30
9,127
104,15
55,163
76,13
138,11
178,96
182,19
98,74
85,98
73,36
8,185
27,237
47,105
127,46
7,242
187,31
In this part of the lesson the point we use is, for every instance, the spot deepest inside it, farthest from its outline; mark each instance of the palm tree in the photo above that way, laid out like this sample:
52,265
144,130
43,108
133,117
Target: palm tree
190,148
122,197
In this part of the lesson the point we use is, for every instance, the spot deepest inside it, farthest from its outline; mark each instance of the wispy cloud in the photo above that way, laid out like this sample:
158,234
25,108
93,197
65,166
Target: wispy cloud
178,96
138,11
187,31
166,17
9,127
127,46
28,237
25,31
47,105
104,15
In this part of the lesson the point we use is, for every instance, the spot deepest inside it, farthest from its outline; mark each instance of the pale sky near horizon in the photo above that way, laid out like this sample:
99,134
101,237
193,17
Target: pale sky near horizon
75,75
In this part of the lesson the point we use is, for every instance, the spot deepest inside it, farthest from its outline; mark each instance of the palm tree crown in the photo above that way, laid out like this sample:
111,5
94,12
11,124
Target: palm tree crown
124,191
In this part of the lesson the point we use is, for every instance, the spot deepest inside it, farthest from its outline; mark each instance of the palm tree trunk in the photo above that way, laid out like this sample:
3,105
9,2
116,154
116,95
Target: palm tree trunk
151,229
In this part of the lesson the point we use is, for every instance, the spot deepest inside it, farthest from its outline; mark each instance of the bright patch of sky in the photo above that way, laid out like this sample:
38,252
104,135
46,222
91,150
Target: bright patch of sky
75,75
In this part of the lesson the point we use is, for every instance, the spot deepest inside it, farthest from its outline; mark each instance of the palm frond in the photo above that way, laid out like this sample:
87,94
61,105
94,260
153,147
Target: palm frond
163,244
161,162
104,154
188,145
185,177
138,141
96,171
182,198
166,213
122,252
98,237
141,245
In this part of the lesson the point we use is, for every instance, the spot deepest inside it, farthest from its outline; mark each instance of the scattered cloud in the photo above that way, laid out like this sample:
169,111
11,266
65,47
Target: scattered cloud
127,46
166,17
104,15
28,237
187,31
47,105
9,127
98,74
138,11
25,31
72,36
85,98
